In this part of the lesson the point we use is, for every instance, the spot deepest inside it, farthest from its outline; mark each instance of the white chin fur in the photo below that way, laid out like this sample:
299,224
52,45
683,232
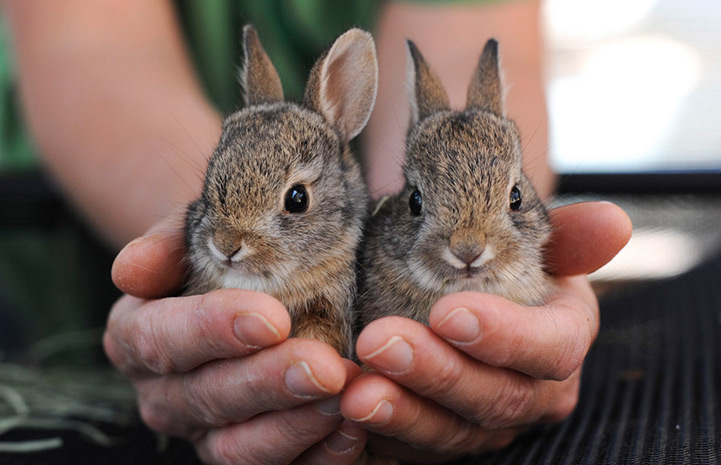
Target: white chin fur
233,279
425,278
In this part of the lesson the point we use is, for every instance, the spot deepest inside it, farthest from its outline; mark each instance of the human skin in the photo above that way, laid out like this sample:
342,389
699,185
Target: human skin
527,361
108,88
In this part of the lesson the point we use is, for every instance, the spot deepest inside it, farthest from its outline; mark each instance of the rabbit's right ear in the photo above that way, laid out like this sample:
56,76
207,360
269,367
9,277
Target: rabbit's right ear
425,92
343,83
258,77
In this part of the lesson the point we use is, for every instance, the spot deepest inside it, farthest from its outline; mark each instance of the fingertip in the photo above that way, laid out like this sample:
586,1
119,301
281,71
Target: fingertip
369,400
325,368
151,266
352,370
586,236
377,333
260,319
347,439
466,299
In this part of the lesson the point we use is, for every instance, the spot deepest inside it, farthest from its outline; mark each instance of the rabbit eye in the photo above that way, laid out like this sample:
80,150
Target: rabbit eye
296,199
415,202
515,199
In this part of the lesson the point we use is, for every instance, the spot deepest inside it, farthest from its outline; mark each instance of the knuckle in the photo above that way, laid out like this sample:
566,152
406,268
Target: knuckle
499,440
199,398
569,358
509,406
149,351
463,437
153,416
563,407
445,380
112,350
226,450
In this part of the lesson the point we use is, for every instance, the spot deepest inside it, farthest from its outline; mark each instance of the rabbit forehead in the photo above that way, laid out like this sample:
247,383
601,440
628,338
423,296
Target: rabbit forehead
266,149
464,156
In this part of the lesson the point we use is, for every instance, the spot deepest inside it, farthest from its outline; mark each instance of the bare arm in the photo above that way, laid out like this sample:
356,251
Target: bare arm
114,106
451,37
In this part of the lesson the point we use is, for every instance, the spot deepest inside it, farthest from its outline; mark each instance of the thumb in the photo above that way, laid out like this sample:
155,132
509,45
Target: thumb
152,265
585,237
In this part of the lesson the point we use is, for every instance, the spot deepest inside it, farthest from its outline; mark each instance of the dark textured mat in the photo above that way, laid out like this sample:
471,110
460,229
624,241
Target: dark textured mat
650,387
649,393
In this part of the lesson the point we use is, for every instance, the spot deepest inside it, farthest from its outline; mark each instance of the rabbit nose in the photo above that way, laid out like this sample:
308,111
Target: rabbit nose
467,246
224,251
226,245
467,254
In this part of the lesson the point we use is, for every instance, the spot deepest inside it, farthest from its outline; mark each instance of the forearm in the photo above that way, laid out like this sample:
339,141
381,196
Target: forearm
116,111
451,38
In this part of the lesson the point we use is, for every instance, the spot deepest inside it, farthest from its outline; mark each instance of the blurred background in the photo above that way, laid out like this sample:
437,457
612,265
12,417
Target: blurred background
634,96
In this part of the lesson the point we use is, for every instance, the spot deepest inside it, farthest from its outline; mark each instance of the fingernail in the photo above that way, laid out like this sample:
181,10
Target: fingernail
300,381
341,441
330,406
380,415
395,356
459,326
254,330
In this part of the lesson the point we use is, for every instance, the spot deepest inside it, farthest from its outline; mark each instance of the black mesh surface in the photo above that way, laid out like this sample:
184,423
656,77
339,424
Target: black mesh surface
649,392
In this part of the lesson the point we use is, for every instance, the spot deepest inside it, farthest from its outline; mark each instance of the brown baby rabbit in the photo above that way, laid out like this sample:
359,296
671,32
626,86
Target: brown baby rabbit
467,218
284,202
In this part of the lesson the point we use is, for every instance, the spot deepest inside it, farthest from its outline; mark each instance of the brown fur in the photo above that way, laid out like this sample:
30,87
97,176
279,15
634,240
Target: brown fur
464,164
259,78
306,260
431,96
319,319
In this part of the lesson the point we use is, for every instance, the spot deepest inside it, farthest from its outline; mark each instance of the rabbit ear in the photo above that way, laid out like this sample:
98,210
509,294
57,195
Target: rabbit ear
258,77
343,83
486,88
425,92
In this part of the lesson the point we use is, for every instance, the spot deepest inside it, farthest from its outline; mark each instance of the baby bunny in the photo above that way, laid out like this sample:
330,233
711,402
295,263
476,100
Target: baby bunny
467,218
284,203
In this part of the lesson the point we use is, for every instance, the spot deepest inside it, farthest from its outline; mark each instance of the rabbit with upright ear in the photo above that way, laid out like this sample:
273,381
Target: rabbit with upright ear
284,203
467,218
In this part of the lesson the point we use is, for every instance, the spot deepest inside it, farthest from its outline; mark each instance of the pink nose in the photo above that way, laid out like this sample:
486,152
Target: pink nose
467,254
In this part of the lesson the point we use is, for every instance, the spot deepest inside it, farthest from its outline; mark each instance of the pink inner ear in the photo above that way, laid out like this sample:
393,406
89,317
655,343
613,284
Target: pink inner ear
333,92
349,80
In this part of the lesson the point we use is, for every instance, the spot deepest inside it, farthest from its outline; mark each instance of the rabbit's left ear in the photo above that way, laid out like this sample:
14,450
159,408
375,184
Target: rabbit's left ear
258,77
486,88
343,83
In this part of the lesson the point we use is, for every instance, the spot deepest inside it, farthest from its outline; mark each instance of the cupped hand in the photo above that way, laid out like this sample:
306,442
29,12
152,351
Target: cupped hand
220,370
486,368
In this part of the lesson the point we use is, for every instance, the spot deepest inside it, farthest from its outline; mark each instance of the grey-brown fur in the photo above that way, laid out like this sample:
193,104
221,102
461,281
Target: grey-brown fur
306,260
464,163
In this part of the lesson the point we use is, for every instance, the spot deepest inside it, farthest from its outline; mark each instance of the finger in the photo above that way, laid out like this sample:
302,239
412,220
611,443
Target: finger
410,354
153,265
342,446
293,373
271,438
585,237
383,407
548,342
174,335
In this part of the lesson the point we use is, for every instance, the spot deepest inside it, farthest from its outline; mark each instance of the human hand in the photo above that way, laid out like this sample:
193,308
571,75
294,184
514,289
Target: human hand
486,368
220,370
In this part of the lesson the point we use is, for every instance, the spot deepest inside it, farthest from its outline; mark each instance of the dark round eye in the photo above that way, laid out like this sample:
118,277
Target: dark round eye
515,199
296,199
416,202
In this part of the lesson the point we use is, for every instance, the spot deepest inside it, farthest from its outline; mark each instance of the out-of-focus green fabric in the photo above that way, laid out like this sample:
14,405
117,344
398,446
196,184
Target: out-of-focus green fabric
294,32
15,148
